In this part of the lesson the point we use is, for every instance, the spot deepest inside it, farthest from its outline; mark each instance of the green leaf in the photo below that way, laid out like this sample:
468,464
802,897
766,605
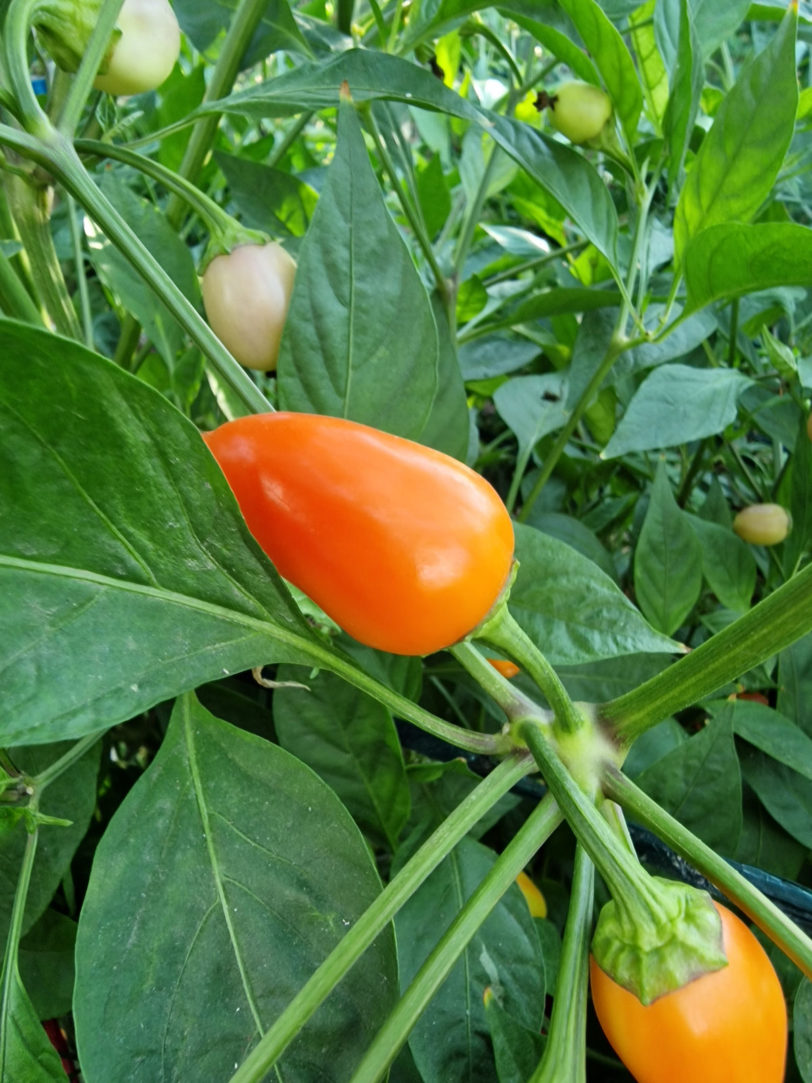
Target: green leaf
684,94
667,560
741,155
728,564
350,741
653,74
715,22
371,75
572,531
727,261
802,1030
558,43
572,609
699,783
771,732
26,1053
517,1049
608,50
677,404
268,199
202,23
229,867
785,793
117,274
451,1041
46,964
561,171
795,492
127,572
795,682
532,406
564,173
71,795
360,339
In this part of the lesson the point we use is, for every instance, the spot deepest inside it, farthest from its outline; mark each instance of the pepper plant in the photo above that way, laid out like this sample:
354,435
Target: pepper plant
236,842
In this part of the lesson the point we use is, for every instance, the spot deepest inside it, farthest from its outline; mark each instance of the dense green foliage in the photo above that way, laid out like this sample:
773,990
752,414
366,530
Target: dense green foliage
207,789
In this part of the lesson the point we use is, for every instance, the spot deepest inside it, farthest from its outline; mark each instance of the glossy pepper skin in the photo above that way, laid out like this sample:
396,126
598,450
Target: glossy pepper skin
729,1026
404,547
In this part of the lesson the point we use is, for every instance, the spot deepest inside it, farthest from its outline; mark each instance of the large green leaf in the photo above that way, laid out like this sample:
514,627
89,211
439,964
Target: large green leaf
277,28
667,560
118,275
785,793
677,404
699,782
572,609
360,339
727,564
774,734
685,89
566,175
268,199
128,574
226,876
726,261
26,1054
350,741
742,153
563,172
451,1041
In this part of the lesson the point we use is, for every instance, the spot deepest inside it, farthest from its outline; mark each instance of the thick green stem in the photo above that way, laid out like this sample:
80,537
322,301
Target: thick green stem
776,622
9,971
505,634
225,229
541,823
377,917
564,1054
240,31
513,702
82,84
16,29
65,762
765,914
625,877
30,206
68,168
15,300
654,935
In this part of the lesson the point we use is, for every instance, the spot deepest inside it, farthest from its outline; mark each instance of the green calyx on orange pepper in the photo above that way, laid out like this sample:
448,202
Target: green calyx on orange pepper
406,548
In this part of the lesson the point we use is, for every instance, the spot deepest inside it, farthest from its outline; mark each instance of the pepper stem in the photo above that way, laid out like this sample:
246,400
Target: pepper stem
503,632
563,1057
654,935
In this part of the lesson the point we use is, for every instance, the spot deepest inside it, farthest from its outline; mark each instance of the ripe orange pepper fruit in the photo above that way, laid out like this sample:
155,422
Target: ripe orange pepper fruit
728,1026
406,548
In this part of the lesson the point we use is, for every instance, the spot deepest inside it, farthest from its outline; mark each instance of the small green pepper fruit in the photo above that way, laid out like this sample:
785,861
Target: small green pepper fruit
763,524
661,947
580,111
